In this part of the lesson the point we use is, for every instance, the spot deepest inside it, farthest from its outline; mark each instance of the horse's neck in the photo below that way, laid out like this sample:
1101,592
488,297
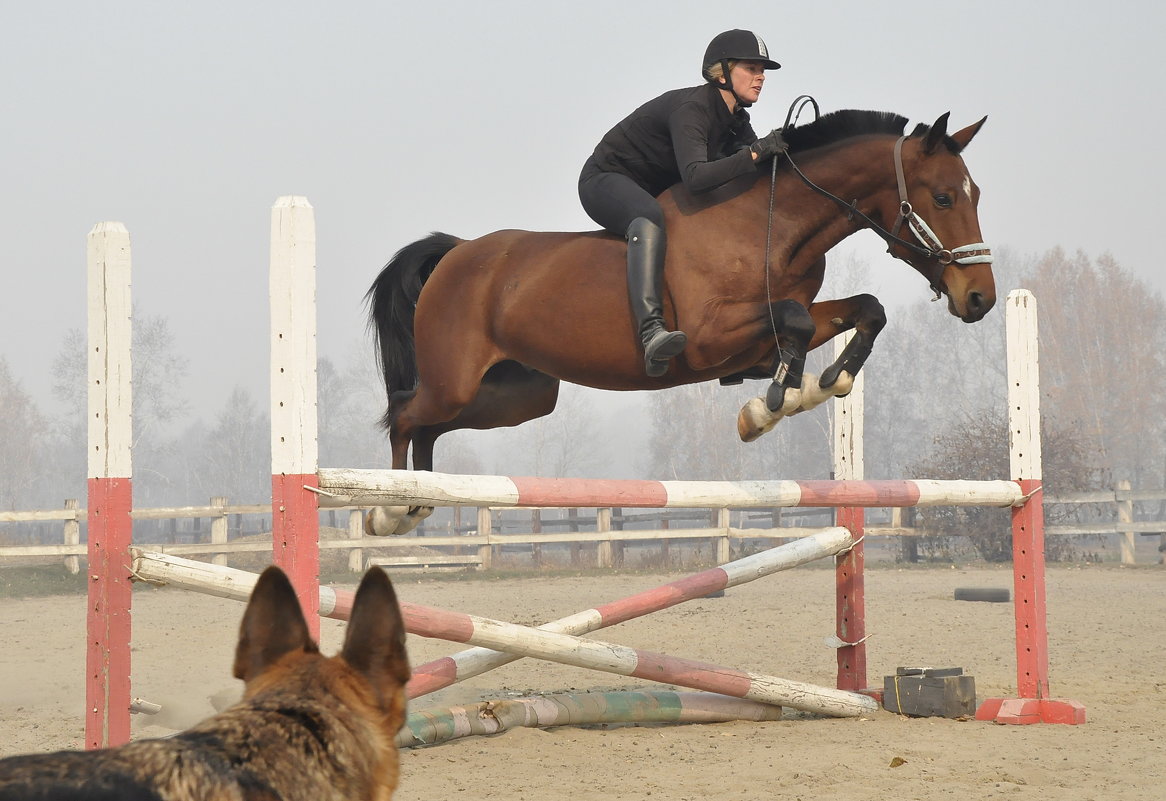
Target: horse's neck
859,173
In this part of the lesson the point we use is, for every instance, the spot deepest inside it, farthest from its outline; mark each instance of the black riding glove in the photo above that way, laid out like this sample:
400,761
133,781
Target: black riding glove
769,145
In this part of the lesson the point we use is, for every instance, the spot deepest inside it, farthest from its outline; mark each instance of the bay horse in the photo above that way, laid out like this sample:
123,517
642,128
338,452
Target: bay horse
479,333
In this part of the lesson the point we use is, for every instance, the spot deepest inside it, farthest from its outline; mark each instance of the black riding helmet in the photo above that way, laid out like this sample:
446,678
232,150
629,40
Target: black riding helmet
735,45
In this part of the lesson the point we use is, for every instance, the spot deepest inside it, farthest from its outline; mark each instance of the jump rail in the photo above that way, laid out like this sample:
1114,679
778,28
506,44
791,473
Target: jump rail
427,621
576,709
346,487
448,670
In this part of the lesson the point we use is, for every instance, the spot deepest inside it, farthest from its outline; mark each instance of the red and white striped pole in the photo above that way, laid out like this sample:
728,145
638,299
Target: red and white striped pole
107,653
1033,704
565,649
448,670
294,457
364,487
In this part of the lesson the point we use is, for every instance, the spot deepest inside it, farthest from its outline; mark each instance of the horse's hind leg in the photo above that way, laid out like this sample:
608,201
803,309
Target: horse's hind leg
384,521
510,394
399,436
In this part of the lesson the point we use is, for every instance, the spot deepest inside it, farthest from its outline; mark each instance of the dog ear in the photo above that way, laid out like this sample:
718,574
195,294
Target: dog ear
273,626
375,641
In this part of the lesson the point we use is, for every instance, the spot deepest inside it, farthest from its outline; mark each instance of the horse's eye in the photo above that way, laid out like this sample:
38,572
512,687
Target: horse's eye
943,201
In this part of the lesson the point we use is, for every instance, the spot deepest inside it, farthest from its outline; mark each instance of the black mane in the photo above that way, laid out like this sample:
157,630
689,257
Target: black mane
839,125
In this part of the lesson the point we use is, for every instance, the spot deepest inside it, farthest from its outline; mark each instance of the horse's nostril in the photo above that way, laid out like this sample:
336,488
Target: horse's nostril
975,301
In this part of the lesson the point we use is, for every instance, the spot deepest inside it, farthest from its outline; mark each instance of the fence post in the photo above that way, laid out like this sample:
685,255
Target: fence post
1125,514
356,532
617,546
665,543
775,515
455,528
723,552
485,528
219,528
573,527
603,549
72,537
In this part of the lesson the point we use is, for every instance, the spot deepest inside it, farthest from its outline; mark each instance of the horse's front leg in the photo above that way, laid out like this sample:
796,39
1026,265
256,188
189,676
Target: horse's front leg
866,316
795,328
393,521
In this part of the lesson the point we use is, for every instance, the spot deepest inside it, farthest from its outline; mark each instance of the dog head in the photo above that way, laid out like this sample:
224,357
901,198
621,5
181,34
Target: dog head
364,684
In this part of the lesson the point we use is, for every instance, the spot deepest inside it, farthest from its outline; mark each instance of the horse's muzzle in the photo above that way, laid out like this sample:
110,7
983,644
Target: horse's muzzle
976,305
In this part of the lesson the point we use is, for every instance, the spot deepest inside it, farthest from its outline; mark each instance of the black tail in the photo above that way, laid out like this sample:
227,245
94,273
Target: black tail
392,300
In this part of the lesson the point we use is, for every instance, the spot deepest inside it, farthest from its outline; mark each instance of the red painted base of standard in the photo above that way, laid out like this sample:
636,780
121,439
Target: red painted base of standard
1018,711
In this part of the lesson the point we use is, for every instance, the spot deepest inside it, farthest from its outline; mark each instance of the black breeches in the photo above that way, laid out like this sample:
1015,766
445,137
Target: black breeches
614,200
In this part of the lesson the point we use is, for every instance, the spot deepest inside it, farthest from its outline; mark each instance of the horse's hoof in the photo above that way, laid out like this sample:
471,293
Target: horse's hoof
382,521
755,419
393,521
841,386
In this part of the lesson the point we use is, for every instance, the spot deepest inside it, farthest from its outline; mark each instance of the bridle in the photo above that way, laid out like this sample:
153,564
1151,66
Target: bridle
930,247
978,253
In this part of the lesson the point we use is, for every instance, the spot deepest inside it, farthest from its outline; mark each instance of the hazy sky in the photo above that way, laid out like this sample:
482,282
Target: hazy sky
187,121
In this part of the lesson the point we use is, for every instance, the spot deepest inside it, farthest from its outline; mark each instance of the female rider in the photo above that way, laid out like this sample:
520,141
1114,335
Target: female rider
699,136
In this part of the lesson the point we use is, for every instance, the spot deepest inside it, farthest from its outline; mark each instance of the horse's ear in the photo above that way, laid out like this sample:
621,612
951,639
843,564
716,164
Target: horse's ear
936,135
963,137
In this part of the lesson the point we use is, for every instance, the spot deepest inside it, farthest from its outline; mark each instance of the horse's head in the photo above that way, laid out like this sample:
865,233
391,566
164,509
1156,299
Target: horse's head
938,201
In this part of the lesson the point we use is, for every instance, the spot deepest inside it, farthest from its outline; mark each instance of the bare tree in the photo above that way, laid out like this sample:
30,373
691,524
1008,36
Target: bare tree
1103,360
976,448
929,374
236,452
563,443
350,404
694,436
158,403
25,446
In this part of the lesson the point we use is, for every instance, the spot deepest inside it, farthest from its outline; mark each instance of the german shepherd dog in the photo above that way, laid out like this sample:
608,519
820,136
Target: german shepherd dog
308,728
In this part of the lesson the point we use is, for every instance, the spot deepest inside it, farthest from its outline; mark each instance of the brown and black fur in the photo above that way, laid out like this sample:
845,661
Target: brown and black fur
308,727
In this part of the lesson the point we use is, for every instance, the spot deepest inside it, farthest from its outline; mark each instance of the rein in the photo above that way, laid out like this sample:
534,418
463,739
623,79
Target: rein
797,106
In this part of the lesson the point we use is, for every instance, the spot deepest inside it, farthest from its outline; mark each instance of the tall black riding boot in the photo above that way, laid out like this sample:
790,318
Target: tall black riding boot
646,243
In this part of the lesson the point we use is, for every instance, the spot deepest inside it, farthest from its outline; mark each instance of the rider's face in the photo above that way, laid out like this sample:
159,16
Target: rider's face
747,78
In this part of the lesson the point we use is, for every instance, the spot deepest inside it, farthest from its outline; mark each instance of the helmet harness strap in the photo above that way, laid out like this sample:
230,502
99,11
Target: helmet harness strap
728,84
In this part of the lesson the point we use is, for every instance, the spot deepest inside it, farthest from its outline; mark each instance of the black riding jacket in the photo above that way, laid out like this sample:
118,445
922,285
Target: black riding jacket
684,135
